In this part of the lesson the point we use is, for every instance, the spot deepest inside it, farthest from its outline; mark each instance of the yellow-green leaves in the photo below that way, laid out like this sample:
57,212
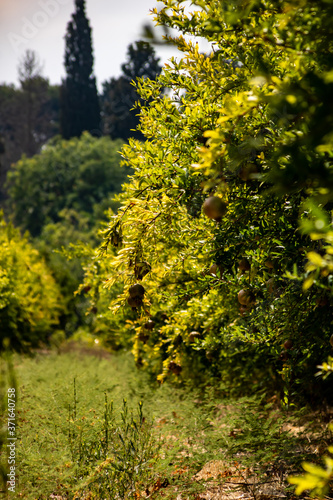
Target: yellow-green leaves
30,301
316,480
326,369
240,120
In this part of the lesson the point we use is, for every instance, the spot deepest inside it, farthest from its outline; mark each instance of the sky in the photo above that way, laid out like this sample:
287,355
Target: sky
40,25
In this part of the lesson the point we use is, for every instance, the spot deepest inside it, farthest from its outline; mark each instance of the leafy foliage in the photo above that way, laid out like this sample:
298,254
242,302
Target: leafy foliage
316,479
76,183
30,302
79,174
249,123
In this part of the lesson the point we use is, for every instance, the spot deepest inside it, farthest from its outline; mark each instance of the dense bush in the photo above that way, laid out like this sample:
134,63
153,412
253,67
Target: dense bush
237,155
30,302
79,174
61,197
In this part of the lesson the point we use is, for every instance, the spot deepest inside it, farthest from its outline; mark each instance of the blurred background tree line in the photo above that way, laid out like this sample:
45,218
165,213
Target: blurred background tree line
59,171
36,111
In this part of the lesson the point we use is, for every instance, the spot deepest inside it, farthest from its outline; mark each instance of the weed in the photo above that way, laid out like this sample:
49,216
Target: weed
115,457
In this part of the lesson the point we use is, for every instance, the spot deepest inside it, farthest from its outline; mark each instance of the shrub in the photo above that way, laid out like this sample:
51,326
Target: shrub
30,301
79,174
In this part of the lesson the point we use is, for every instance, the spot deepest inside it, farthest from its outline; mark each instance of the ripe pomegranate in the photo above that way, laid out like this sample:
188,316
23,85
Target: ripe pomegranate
288,344
244,265
175,368
149,325
143,337
136,290
134,302
215,208
246,297
284,356
243,310
214,269
193,336
210,355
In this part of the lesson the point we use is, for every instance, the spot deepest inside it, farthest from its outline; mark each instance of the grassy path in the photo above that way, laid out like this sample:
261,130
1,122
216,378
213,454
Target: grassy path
47,405
185,446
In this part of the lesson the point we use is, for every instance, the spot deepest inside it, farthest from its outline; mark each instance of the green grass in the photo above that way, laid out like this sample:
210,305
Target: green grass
74,443
48,412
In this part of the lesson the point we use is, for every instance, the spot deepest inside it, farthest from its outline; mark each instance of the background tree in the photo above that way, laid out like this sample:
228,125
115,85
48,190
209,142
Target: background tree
29,115
81,174
79,99
77,180
39,123
119,94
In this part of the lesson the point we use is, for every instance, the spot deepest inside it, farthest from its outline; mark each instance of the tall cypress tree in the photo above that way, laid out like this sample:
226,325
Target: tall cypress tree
79,99
120,116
